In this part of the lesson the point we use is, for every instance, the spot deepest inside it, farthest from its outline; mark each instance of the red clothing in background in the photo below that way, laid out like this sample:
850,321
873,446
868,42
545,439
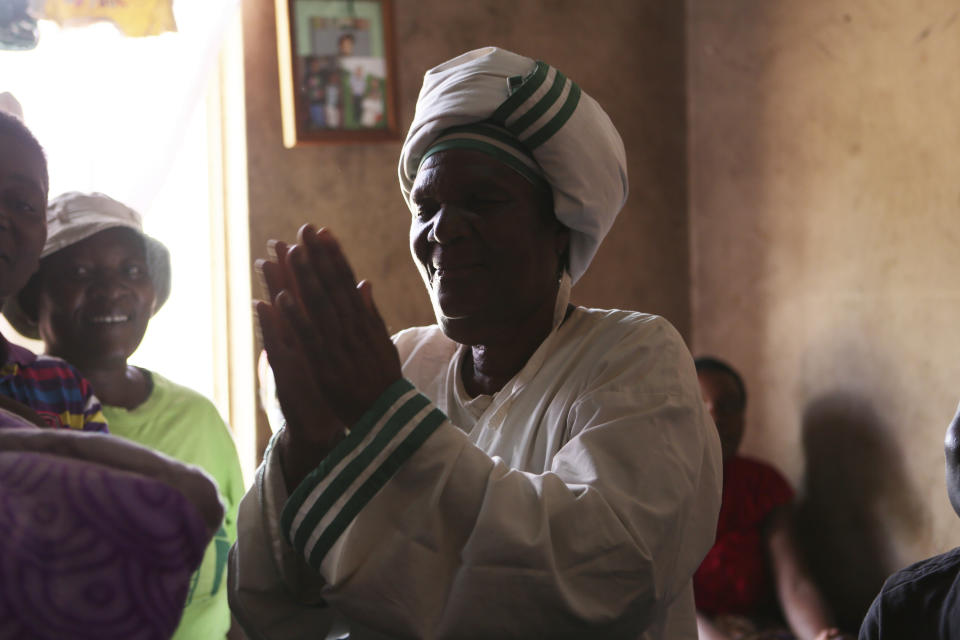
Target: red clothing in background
735,576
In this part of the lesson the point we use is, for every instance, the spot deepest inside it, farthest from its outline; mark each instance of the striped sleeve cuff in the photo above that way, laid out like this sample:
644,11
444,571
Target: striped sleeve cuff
328,499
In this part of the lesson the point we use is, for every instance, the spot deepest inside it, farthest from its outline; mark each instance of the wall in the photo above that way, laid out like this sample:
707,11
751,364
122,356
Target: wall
824,205
628,54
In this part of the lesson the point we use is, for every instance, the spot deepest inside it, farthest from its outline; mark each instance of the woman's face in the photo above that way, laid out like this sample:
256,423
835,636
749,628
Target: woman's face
722,397
486,243
23,212
95,298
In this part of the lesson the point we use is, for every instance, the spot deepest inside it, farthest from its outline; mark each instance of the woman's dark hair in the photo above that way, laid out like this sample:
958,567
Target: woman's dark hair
11,126
710,364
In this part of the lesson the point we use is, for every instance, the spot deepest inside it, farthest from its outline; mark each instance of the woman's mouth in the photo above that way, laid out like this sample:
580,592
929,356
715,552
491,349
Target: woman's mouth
110,319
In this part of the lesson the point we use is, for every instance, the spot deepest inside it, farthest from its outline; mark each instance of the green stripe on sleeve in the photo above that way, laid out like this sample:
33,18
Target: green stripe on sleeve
380,477
354,469
547,130
529,86
542,106
357,434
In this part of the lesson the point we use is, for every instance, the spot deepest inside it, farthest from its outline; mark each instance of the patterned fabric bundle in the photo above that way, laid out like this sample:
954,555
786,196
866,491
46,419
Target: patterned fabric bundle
100,535
534,119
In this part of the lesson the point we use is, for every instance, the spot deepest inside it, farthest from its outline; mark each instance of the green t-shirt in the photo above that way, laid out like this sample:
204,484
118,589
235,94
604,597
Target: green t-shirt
185,425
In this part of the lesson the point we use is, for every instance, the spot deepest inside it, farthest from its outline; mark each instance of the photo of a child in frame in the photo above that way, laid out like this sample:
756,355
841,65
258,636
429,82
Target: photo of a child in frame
342,65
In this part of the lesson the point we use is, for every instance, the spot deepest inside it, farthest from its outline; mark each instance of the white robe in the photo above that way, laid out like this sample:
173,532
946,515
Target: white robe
576,502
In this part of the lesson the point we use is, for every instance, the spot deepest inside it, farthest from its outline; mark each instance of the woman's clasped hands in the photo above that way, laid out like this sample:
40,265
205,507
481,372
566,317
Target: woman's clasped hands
328,346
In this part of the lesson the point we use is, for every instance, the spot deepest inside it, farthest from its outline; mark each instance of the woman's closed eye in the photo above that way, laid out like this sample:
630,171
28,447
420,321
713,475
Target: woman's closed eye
486,202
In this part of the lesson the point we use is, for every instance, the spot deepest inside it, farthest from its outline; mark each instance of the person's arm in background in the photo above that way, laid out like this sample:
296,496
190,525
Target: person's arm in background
803,605
13,406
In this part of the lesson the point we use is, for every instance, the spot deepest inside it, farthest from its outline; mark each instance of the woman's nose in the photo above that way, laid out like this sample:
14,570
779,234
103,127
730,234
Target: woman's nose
448,224
108,285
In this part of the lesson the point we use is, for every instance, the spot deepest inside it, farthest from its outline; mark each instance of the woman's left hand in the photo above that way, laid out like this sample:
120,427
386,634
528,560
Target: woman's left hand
336,323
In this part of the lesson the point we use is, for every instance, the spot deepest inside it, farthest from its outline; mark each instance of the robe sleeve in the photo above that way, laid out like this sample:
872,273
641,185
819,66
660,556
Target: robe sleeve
410,528
272,593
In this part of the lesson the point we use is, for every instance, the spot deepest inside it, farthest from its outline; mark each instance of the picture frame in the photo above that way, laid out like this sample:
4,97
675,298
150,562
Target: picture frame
337,71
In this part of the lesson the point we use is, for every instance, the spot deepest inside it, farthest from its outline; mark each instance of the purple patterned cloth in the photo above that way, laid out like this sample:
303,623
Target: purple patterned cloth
98,536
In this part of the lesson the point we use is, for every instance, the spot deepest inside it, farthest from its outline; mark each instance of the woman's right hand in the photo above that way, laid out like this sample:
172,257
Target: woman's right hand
345,339
311,429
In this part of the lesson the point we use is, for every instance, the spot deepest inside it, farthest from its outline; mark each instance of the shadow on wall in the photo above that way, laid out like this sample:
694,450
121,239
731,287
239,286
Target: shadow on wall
856,496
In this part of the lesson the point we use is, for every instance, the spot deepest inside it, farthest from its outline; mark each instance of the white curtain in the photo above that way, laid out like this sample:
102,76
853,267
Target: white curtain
127,117
112,111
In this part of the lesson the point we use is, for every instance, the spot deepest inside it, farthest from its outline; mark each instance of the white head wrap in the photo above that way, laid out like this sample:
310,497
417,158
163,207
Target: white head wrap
536,120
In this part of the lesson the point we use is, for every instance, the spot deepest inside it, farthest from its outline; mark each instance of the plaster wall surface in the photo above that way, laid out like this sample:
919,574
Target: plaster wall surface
628,54
824,228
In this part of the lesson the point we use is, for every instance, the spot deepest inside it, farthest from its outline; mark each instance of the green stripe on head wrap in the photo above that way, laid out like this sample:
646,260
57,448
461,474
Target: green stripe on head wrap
573,143
519,96
546,132
541,107
494,141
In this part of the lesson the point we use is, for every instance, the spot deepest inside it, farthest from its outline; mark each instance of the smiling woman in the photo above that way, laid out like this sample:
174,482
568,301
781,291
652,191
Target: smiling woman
96,300
524,468
486,243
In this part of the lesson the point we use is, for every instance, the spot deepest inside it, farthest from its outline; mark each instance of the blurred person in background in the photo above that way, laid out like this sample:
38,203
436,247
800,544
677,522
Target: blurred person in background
755,572
923,600
46,389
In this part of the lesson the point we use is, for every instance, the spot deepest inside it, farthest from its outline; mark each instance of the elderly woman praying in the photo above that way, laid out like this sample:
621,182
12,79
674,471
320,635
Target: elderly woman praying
524,468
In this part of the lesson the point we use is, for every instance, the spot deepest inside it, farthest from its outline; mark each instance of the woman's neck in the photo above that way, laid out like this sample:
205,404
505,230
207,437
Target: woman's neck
119,385
487,368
